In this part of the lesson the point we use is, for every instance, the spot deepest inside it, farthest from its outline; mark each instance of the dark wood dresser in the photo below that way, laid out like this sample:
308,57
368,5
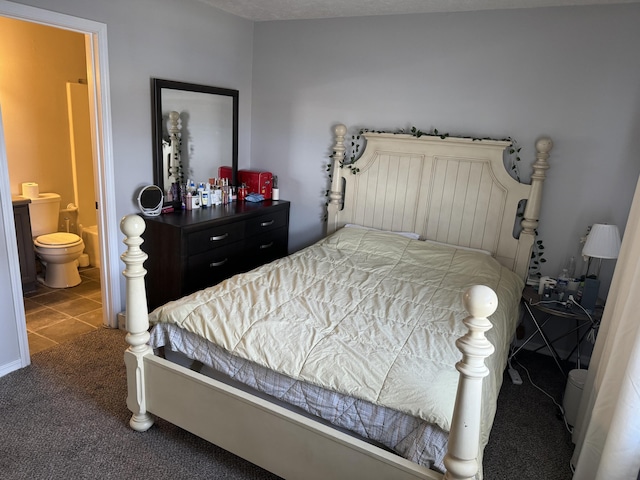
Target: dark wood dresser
193,249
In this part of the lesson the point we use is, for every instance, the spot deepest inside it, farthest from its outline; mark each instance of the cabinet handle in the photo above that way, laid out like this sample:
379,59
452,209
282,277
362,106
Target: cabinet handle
266,224
218,237
218,264
266,245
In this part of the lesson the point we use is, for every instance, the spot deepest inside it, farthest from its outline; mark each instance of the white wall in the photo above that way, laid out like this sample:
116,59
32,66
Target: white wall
571,73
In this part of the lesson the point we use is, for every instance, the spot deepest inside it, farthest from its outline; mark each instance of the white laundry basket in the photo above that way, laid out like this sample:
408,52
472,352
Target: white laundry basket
573,394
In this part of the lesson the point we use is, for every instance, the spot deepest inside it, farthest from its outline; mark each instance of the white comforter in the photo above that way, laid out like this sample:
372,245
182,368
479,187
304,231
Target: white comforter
369,314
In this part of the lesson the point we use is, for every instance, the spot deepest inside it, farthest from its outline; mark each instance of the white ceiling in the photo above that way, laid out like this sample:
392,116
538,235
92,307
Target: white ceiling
264,10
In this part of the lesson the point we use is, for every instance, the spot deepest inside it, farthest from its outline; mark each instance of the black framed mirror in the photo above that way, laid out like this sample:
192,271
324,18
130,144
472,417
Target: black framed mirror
205,132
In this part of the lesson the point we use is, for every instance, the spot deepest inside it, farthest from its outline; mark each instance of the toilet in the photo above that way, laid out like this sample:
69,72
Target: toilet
58,251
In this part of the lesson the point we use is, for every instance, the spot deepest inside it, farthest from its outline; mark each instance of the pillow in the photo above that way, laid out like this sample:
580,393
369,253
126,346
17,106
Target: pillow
411,235
470,249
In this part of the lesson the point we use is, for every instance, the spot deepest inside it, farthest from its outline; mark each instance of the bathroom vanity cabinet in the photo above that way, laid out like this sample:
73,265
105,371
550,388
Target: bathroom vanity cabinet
193,249
26,253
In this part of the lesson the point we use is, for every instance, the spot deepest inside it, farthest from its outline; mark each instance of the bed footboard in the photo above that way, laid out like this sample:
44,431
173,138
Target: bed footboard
293,446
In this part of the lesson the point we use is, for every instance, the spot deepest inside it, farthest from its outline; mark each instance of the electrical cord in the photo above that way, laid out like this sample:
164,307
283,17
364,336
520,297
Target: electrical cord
594,324
564,418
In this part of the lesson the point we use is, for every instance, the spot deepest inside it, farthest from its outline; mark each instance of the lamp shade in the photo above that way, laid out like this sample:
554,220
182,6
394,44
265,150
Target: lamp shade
603,241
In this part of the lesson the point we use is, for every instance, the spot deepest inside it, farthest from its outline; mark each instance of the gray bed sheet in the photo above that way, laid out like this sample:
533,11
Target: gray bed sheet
409,437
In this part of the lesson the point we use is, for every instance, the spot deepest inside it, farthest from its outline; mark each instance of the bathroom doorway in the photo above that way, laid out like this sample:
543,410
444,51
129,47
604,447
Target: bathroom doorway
106,276
55,112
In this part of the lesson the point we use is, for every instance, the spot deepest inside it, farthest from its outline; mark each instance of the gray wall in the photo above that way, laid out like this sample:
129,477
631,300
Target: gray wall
571,73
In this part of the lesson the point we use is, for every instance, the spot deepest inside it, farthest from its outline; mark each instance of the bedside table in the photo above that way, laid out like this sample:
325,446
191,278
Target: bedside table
584,323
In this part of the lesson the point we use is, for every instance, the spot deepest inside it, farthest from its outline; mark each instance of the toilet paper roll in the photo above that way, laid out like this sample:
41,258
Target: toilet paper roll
30,190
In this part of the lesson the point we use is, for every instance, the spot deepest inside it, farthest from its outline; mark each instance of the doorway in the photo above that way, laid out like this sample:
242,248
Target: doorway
95,40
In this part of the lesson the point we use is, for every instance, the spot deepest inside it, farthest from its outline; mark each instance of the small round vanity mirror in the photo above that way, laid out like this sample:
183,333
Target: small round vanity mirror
150,200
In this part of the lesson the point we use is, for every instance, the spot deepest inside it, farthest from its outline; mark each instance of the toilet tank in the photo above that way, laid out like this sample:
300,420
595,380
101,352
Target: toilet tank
43,212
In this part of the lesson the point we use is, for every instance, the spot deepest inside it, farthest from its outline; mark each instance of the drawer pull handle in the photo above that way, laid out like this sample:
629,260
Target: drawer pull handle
266,245
266,224
218,237
218,264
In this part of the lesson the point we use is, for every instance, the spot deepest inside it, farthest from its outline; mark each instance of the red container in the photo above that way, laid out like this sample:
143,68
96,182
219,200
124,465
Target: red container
256,181
224,172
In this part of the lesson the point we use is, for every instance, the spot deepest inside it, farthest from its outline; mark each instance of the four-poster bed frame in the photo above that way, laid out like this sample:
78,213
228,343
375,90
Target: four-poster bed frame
452,190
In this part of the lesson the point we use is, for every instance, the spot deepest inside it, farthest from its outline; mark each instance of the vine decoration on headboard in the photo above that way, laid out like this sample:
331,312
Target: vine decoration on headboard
357,141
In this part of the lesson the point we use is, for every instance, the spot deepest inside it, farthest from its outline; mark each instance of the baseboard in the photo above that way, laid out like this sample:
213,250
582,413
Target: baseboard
10,367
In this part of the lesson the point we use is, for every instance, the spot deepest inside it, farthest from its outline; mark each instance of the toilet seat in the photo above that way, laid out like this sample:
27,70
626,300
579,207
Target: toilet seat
58,240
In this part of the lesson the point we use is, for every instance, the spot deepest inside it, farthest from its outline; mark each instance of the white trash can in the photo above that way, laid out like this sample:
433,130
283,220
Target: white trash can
573,394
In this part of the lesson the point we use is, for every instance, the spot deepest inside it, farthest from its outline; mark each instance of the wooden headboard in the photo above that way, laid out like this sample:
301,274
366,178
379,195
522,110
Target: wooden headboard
451,190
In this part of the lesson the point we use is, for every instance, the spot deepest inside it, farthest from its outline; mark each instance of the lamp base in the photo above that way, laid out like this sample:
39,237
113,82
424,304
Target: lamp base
590,294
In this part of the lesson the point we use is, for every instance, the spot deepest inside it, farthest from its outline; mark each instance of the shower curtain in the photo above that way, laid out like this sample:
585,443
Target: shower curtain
607,432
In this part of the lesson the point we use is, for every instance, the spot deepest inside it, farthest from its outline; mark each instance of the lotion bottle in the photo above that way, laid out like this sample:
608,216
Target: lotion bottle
275,191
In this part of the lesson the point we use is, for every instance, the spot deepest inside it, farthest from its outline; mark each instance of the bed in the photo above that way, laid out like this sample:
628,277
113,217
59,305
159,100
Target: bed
366,319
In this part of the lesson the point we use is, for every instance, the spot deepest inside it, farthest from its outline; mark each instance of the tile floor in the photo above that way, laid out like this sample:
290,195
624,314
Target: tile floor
57,315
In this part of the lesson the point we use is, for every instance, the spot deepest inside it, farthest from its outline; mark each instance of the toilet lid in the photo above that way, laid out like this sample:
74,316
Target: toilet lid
58,239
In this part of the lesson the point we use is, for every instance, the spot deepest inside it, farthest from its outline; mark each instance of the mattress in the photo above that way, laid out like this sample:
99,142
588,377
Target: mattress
368,315
406,435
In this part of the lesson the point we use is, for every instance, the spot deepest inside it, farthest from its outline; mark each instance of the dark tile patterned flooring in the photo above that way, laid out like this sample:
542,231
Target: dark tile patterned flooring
57,315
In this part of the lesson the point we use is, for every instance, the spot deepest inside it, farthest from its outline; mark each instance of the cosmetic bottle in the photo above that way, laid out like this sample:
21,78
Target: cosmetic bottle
275,191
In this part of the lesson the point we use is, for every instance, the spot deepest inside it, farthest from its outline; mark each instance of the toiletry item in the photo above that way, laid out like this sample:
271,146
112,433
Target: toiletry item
30,190
216,195
188,200
242,192
275,191
571,268
562,284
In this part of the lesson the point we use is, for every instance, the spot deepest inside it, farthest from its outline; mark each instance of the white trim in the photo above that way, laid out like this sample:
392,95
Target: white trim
100,109
9,230
11,367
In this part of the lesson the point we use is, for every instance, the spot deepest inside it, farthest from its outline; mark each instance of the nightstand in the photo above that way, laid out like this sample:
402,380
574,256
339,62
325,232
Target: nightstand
555,311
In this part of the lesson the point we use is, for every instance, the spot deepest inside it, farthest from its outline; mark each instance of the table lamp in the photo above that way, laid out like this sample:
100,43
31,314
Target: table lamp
603,242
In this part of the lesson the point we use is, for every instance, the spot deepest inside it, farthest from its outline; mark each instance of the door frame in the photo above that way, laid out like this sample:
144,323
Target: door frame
101,128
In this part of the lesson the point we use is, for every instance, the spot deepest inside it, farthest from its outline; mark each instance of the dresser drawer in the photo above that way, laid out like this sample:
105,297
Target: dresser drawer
266,247
264,223
215,237
194,249
213,266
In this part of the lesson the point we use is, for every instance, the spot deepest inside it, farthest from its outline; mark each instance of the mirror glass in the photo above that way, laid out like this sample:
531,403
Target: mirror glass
195,132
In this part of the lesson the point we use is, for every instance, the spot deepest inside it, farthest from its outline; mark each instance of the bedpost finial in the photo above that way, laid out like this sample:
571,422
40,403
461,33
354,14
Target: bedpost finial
544,145
132,225
340,130
480,301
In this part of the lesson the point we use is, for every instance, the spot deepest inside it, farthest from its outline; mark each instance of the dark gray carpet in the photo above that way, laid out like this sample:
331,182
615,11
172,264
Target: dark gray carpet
65,417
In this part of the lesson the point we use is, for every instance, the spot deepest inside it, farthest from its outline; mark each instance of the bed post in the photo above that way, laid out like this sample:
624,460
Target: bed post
137,322
335,194
461,458
532,210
